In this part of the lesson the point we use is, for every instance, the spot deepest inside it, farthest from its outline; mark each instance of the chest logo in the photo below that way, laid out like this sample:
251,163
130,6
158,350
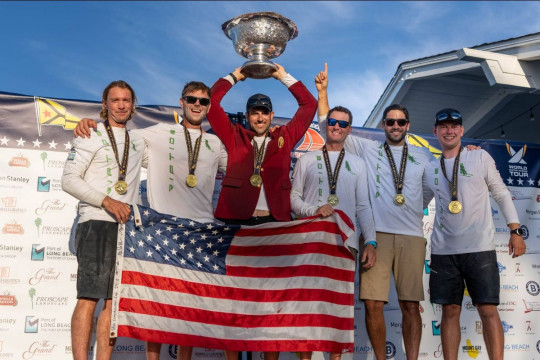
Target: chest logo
280,142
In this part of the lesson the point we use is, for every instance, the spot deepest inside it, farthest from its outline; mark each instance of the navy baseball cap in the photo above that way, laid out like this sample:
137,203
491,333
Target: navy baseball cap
448,115
259,100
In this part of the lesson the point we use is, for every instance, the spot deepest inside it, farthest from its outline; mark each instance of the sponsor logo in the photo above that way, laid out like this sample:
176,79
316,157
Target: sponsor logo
31,324
5,278
506,326
438,352
14,179
56,253
38,252
533,288
13,228
46,300
9,204
501,267
390,350
50,205
471,350
525,232
528,327
51,324
509,287
43,184
519,195
8,300
531,305
538,198
538,346
427,266
56,164
20,161
470,306
517,347
9,251
506,306
478,327
7,321
363,349
44,274
173,350
536,267
436,328
129,348
38,348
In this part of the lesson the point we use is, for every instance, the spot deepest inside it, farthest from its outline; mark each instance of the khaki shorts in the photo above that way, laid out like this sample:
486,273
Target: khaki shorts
403,255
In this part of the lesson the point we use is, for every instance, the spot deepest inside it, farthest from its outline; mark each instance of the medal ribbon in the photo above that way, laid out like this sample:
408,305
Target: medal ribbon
332,177
122,167
452,185
398,178
193,154
258,158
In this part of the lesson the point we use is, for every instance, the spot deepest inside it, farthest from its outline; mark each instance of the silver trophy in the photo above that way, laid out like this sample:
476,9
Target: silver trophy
259,37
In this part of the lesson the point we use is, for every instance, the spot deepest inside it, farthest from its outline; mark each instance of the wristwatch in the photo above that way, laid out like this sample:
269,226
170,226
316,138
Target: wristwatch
372,243
517,231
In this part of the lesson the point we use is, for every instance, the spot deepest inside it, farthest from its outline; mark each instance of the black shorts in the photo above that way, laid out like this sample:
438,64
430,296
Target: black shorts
450,273
95,241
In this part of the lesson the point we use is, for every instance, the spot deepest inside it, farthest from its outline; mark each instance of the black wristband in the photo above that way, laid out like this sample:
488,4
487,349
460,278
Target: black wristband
233,77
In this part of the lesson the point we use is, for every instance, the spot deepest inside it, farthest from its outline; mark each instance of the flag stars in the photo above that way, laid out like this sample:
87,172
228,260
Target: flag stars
215,232
192,241
192,223
146,213
520,181
510,181
67,146
199,250
168,228
132,233
203,237
4,141
226,228
37,143
148,253
166,242
206,258
173,251
149,237
166,257
197,229
157,247
182,246
216,268
209,245
158,232
163,221
216,253
183,261
220,240
175,237
190,255
141,243
21,142
151,223
199,265
209,226
132,249
180,225
186,233
531,182
52,145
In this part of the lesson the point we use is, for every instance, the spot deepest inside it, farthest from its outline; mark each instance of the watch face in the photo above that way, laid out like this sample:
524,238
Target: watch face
518,231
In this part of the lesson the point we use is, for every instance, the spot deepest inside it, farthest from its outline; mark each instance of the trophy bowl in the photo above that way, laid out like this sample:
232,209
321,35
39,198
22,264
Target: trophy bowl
259,37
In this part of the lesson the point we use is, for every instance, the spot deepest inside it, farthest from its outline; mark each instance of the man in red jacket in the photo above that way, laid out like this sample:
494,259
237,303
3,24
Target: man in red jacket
257,186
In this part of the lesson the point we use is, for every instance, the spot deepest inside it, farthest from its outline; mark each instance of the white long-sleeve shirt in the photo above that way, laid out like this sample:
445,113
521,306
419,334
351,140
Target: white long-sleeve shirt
310,191
472,229
91,171
389,217
168,169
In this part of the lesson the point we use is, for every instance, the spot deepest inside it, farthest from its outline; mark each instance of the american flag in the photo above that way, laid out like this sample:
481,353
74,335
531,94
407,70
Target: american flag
285,286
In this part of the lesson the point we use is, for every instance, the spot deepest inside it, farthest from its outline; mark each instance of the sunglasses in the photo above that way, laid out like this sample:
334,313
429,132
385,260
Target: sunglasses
342,123
193,100
448,116
400,122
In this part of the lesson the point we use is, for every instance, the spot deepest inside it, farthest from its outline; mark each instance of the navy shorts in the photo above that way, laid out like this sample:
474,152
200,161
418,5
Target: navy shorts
451,273
95,241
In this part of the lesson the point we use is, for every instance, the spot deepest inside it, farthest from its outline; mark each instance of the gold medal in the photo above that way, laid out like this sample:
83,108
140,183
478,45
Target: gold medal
280,142
191,180
399,199
333,200
255,180
454,207
121,187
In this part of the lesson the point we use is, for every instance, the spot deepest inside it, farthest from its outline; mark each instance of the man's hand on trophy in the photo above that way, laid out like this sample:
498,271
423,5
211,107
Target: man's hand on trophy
321,80
280,73
239,74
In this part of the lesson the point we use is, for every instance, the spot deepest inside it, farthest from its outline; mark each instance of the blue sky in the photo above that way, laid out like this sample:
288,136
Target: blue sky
74,49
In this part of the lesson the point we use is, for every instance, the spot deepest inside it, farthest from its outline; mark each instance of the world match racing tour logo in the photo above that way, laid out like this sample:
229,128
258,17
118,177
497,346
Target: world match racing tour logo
517,168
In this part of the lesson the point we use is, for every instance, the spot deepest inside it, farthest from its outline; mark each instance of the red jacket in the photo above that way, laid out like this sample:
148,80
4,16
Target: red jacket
238,198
